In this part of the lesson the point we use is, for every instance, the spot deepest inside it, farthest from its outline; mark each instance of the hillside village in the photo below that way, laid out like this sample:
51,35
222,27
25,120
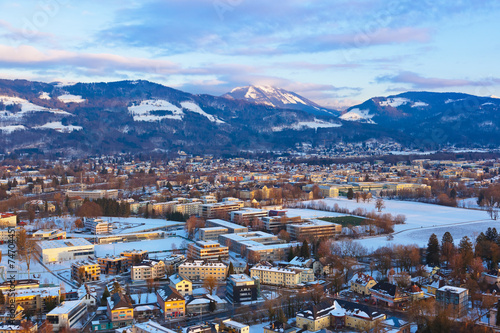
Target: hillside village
209,244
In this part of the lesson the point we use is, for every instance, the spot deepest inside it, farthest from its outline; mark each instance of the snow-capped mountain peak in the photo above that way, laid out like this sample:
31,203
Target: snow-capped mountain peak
277,98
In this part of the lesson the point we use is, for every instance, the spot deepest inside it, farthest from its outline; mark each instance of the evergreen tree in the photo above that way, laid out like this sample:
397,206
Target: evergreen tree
432,257
230,270
350,194
304,251
105,295
453,193
447,238
492,234
2,298
465,248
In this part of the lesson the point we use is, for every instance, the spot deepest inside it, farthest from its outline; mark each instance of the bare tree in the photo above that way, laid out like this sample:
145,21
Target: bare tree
379,204
210,284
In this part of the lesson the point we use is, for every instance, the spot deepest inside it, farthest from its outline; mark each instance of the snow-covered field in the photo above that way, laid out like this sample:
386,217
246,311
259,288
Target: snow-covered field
310,213
155,245
422,220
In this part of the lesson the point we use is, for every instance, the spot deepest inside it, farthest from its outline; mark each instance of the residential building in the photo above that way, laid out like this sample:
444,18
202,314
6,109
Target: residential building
147,327
120,310
232,228
8,220
135,256
174,260
172,303
182,284
67,315
314,229
277,223
241,288
220,209
189,208
198,270
361,283
64,249
245,216
279,327
85,271
98,226
49,234
207,250
236,326
93,194
211,233
275,275
148,269
453,298
355,316
387,294
34,299
114,265
315,317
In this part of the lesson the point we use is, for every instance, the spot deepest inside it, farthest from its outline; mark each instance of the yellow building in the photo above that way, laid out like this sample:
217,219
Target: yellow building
180,283
315,317
120,310
171,302
362,283
207,250
275,275
86,270
198,270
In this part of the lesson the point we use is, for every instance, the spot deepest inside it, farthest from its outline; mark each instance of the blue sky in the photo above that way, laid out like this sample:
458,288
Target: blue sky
337,52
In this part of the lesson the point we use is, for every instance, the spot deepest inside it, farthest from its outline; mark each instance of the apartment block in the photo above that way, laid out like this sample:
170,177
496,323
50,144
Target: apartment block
148,269
211,233
198,270
245,216
114,265
314,229
231,227
219,209
241,288
85,270
275,275
207,250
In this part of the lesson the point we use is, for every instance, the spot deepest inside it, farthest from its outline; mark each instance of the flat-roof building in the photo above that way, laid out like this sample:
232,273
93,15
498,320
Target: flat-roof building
65,249
207,250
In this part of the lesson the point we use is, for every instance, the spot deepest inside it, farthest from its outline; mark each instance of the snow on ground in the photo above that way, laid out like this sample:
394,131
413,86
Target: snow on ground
469,203
12,128
258,328
311,213
68,98
59,127
394,102
26,107
357,114
190,106
315,124
421,221
419,104
142,112
44,95
155,245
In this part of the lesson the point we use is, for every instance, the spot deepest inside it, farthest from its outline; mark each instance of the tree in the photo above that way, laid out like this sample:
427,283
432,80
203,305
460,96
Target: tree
350,194
79,224
210,284
2,298
432,256
284,235
46,327
26,248
305,252
447,247
105,295
89,209
465,249
379,204
230,269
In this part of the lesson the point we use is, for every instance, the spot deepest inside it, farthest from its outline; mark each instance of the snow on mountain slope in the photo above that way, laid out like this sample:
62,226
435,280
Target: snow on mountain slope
26,107
358,115
151,110
68,98
394,102
45,95
11,128
277,98
59,127
143,111
195,108
315,124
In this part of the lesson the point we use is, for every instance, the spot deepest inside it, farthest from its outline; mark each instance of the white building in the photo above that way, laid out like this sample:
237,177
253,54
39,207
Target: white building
98,226
65,249
67,314
148,269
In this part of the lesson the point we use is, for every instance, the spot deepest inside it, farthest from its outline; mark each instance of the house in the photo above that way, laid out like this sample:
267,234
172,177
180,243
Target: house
279,327
182,284
120,310
361,283
396,325
235,326
315,317
356,316
172,303
387,294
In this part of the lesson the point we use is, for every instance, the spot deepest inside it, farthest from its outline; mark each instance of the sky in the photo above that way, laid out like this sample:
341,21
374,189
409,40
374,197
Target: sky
337,53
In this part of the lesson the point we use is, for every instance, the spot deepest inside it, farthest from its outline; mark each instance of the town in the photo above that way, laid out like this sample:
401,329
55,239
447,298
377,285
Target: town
288,243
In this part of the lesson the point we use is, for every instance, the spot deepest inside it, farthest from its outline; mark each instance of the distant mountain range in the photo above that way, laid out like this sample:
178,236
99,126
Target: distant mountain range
141,116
